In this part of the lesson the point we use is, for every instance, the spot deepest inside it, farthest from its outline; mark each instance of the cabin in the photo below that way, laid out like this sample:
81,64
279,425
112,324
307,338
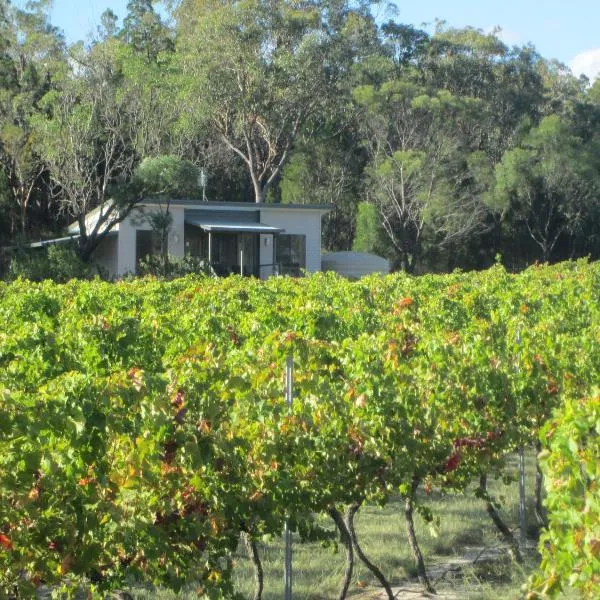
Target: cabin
257,240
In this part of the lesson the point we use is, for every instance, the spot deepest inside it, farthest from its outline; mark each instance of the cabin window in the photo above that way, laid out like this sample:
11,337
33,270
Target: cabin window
290,253
147,243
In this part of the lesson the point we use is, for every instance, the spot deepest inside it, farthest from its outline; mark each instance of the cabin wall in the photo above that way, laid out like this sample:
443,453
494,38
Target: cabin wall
136,221
298,222
106,256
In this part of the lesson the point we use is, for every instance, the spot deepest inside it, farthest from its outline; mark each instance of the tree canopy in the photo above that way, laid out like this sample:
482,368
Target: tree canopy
463,147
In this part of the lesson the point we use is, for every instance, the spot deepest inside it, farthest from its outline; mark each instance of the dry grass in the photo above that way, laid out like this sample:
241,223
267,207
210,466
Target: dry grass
464,554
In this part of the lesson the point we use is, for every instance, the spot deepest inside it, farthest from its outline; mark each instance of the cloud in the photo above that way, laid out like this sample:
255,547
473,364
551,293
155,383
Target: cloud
586,63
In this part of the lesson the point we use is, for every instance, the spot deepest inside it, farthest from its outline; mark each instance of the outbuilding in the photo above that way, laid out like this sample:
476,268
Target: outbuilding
233,237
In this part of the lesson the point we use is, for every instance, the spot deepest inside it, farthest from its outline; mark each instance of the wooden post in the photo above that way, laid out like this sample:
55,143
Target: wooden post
522,496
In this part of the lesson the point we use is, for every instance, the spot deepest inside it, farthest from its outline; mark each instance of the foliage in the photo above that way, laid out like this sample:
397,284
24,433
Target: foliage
174,266
549,183
369,233
57,262
32,61
165,176
417,171
570,547
467,147
144,426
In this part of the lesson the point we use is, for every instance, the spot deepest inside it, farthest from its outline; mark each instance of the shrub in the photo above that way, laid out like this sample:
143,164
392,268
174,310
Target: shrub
172,267
57,262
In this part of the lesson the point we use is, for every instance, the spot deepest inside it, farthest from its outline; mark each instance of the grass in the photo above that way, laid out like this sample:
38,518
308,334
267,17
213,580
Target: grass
464,529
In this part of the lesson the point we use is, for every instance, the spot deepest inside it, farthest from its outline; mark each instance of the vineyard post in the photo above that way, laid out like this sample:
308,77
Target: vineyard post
287,571
522,496
522,505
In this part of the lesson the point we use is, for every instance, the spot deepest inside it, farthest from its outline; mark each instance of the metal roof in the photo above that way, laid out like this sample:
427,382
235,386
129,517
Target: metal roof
234,226
62,240
236,205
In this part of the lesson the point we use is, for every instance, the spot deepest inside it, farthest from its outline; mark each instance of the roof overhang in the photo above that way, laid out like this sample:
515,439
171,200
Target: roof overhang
223,226
62,240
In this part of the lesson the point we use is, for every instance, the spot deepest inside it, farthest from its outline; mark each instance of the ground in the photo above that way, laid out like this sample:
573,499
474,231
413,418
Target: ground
465,557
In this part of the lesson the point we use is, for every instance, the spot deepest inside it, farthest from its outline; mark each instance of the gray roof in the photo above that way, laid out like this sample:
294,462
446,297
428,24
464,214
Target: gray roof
234,226
245,205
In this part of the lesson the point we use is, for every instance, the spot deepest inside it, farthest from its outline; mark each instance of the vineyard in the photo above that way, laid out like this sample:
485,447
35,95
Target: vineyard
144,426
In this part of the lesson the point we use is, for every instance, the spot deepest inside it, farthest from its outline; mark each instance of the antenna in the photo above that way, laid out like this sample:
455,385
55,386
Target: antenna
202,182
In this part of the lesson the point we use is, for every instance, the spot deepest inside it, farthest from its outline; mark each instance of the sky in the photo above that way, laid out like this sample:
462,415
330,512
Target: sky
568,30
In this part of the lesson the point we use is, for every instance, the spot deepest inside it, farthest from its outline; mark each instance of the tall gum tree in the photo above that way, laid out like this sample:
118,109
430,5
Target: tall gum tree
257,71
419,172
32,59
549,183
88,141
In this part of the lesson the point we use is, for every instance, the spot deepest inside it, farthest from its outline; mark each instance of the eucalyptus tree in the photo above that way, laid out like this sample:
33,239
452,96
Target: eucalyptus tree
87,140
549,183
257,72
326,169
507,81
32,61
419,174
146,57
144,30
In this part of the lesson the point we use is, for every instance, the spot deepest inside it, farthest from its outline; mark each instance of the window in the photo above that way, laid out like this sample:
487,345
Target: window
290,253
147,243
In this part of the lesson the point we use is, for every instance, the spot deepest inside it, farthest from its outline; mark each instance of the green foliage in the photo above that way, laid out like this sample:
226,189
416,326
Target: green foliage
548,183
144,31
304,102
570,547
174,266
369,233
143,424
168,176
57,262
419,174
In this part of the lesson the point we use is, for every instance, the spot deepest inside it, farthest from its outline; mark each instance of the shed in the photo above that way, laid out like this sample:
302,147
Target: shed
354,264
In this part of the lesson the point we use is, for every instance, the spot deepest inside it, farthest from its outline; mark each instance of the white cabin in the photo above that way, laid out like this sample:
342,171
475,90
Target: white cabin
233,237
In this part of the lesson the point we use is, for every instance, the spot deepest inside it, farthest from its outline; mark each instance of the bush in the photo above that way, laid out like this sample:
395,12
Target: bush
369,236
57,262
172,267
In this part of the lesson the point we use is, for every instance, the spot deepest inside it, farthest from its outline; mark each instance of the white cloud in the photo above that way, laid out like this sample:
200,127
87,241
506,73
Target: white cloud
587,63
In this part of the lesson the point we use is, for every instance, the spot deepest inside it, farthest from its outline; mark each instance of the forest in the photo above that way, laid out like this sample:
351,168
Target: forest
440,148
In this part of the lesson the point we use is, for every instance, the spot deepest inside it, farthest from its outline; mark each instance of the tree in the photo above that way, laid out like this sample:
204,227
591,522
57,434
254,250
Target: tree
144,31
163,177
88,143
257,71
108,25
32,59
418,176
326,169
369,233
549,183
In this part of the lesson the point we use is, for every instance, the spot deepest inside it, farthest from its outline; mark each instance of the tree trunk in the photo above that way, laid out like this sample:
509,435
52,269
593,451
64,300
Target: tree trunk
509,538
24,216
412,539
352,510
252,549
539,485
347,542
259,190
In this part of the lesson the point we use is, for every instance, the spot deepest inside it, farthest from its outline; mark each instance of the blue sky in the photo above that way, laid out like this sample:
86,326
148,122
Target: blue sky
568,30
